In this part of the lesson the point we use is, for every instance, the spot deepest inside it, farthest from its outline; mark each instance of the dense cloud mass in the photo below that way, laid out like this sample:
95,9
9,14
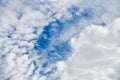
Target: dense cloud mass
96,53
59,39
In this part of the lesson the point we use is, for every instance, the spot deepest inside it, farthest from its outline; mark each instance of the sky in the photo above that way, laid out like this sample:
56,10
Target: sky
59,39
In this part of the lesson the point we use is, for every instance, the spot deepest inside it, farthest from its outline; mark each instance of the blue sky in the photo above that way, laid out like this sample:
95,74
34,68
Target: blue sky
59,39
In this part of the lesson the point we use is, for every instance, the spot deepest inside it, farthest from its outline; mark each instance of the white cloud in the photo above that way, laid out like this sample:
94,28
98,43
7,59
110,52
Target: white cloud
96,53
20,18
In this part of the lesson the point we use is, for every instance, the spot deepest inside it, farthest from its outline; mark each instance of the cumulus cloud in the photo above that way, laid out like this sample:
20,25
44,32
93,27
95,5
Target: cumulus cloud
96,53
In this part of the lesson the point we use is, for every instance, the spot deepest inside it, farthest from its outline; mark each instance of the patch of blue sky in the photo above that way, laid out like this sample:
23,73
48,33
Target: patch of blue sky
87,13
103,24
48,73
50,31
73,10
49,43
45,64
51,47
59,52
45,42
35,68
80,14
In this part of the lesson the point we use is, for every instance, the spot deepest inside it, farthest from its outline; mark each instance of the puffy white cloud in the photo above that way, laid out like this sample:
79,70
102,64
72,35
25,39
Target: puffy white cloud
96,53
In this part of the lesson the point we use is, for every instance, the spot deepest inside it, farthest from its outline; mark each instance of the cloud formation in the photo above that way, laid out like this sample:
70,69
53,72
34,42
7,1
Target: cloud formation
51,25
96,53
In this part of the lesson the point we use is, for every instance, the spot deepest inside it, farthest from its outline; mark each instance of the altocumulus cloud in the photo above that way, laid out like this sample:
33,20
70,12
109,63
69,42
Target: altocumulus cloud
48,40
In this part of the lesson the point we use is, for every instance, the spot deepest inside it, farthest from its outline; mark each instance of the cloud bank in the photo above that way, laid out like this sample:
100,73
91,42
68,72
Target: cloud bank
96,53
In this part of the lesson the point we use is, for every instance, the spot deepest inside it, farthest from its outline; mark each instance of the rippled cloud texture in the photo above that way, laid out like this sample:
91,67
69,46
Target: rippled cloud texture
59,39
